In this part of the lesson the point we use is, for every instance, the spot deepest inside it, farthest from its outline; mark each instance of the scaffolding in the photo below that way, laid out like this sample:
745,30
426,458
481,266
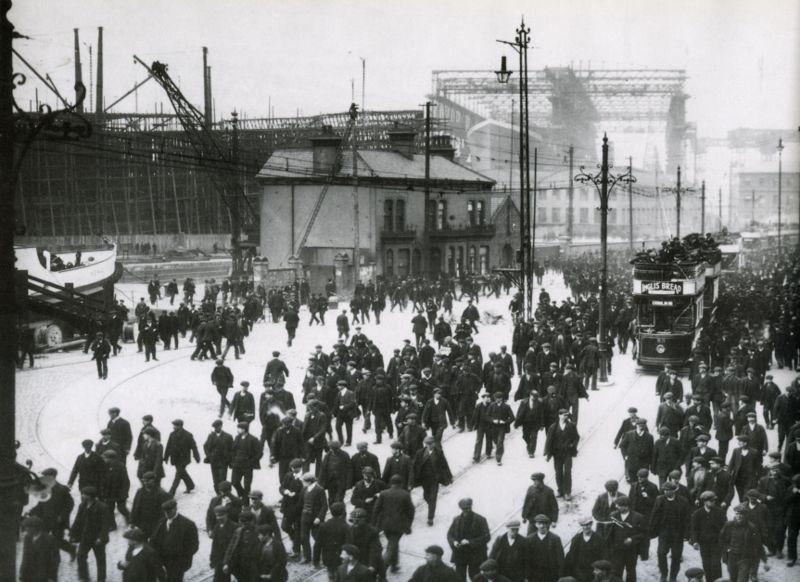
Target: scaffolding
139,175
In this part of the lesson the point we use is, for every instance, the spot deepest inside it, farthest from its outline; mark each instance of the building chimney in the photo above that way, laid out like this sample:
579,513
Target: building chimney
324,149
402,141
441,146
78,71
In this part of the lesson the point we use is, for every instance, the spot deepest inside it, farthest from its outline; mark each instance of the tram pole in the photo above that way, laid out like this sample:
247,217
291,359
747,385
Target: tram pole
604,182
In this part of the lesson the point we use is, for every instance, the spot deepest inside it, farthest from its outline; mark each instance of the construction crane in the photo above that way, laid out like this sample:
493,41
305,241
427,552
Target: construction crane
331,176
220,163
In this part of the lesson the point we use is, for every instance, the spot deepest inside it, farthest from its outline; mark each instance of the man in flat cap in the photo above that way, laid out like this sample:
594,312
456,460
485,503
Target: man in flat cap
221,535
180,449
246,454
217,450
706,523
175,541
141,564
88,468
434,570
510,552
146,509
546,552
40,556
744,466
351,568
741,546
756,432
394,516
562,445
603,571
468,537
694,574
500,416
667,454
636,446
627,539
431,470
670,521
120,432
243,404
539,499
90,532
585,548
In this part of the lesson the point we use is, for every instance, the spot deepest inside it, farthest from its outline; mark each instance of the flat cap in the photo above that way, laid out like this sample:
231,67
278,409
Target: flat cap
541,518
537,477
633,410
642,473
694,572
90,490
135,534
513,524
113,409
217,423
243,424
351,550
587,520
489,566
221,510
169,504
435,550
708,496
601,565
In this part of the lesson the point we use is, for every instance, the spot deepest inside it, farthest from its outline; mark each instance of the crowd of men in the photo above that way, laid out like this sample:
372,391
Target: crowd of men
736,507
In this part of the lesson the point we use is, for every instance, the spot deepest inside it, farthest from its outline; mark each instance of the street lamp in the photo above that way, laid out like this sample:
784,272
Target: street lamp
527,238
604,182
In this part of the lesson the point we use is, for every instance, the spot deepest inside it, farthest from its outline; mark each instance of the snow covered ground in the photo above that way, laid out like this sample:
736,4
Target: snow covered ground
61,402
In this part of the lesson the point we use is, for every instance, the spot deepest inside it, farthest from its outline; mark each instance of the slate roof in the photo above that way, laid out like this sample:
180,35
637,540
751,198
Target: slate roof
383,164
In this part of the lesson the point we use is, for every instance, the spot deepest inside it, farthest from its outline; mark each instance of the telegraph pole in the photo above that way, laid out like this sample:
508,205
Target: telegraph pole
427,211
571,207
719,193
9,509
780,191
678,191
753,207
356,217
630,203
703,208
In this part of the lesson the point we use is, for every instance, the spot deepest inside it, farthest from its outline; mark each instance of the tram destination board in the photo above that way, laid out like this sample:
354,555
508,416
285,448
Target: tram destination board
658,287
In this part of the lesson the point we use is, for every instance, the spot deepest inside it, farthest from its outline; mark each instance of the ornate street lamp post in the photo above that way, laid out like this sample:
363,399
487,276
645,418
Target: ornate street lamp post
604,182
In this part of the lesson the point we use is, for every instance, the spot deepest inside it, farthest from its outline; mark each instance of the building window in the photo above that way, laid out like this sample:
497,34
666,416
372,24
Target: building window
541,215
432,214
555,215
400,215
403,261
584,195
484,260
389,267
460,262
471,264
481,206
451,260
471,212
583,214
388,215
508,217
441,215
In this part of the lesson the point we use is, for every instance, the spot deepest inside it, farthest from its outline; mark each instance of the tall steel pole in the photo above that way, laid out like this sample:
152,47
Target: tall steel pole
719,194
9,509
601,324
511,156
604,183
780,191
571,198
678,206
427,211
356,215
703,208
630,203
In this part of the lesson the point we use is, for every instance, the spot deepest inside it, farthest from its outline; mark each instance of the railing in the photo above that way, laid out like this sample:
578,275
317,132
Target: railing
463,231
408,232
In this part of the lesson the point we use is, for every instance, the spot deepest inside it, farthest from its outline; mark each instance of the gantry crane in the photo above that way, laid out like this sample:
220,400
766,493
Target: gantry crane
220,163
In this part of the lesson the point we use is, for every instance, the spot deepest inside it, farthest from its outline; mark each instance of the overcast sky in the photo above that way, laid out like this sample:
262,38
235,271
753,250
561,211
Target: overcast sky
742,56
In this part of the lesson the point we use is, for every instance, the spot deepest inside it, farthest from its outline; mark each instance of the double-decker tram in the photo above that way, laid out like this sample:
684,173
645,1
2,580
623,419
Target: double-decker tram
675,292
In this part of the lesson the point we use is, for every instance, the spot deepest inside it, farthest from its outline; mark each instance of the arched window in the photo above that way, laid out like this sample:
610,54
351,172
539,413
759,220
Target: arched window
471,212
481,212
483,263
472,259
441,215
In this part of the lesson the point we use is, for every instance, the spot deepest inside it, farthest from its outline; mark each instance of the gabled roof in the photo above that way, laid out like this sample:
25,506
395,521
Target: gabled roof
291,164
